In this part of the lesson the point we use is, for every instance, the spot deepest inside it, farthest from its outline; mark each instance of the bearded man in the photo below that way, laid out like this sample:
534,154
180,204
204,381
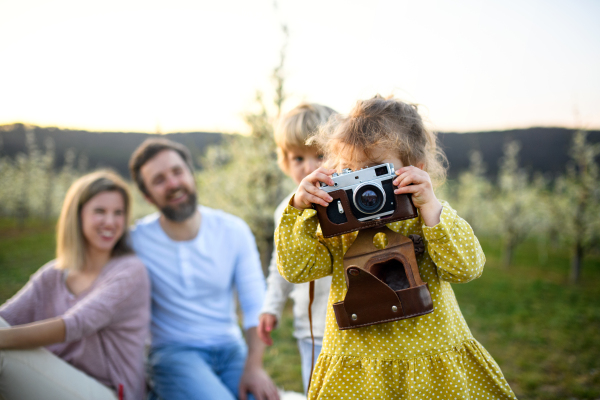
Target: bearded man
197,257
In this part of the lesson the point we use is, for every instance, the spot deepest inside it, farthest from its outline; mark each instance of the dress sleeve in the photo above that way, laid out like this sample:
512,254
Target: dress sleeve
301,256
98,308
454,248
248,277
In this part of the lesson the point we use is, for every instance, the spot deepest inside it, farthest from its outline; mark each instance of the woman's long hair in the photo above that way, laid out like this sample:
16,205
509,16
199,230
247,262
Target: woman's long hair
70,242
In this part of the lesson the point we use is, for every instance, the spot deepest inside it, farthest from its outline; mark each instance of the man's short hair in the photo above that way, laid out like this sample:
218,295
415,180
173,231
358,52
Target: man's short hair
150,148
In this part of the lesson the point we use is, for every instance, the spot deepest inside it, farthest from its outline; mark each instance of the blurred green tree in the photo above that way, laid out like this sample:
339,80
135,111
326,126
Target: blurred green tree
515,202
241,176
31,188
473,196
577,202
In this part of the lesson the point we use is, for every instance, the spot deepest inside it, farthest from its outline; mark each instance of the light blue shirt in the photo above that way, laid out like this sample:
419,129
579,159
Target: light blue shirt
193,281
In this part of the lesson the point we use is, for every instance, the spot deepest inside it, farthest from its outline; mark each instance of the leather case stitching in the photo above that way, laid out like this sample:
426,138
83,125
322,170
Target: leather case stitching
387,320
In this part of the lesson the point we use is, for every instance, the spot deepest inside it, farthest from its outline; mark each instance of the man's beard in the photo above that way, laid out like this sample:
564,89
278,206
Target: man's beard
182,211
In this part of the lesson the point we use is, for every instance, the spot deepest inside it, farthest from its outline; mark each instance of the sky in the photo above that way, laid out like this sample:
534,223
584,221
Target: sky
180,66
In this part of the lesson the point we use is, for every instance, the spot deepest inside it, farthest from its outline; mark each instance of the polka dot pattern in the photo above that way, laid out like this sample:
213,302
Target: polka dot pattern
433,356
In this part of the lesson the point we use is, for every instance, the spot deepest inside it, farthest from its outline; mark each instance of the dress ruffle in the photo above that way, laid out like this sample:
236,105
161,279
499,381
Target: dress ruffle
465,371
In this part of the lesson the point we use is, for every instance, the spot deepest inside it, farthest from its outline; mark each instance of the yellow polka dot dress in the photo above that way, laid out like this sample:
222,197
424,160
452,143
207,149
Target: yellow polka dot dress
433,356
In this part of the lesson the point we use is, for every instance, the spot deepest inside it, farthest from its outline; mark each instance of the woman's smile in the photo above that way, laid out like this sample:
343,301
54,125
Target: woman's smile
103,220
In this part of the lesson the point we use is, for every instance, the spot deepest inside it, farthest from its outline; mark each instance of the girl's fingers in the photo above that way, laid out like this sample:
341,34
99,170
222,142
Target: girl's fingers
318,192
402,170
321,177
408,189
316,200
415,176
407,178
326,171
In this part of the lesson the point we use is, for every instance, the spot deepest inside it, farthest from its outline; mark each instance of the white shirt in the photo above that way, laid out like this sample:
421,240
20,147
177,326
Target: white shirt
193,281
279,289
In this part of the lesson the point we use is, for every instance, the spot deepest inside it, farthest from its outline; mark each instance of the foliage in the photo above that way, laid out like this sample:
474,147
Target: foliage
32,188
510,210
577,202
472,194
516,202
242,177
30,185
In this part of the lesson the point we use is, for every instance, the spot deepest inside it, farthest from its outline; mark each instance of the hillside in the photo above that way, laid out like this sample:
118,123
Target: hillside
102,149
543,150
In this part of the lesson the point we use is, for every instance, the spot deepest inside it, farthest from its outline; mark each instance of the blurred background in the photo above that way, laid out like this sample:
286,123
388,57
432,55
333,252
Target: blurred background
512,88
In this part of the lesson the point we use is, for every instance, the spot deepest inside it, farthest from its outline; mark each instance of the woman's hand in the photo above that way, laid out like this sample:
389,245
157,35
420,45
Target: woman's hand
266,323
309,191
417,182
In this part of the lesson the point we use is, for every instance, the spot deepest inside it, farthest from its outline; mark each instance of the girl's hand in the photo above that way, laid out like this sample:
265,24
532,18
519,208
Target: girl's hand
417,182
309,190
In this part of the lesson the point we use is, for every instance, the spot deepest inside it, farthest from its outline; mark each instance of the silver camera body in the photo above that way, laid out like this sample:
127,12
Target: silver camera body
370,192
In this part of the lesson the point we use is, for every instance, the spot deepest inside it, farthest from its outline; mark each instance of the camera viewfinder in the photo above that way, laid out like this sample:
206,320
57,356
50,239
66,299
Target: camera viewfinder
381,171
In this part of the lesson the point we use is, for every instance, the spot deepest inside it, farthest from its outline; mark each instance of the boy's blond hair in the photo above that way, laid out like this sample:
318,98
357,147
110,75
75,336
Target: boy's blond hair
296,127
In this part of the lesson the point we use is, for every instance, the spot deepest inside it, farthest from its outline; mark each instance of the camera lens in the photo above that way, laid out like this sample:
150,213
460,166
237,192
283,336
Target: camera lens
369,198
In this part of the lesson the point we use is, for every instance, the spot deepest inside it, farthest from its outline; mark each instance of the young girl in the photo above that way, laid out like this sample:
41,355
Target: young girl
433,356
89,308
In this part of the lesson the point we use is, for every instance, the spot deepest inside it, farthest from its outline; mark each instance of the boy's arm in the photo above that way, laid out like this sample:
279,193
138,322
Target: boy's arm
278,290
301,257
454,248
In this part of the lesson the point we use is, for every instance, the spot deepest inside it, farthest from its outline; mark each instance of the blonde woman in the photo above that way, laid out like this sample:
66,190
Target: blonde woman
89,308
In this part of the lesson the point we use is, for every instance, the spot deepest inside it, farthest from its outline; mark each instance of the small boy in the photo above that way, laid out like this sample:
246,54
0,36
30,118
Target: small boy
297,160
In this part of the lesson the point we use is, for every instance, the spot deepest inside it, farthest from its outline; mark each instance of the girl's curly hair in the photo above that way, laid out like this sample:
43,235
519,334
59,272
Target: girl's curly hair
382,123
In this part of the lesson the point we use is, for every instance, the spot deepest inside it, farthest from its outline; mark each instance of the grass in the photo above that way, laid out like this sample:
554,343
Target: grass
543,332
23,250
282,360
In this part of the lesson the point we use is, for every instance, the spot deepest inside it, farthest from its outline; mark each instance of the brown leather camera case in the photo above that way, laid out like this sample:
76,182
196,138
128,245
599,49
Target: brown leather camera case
369,299
405,209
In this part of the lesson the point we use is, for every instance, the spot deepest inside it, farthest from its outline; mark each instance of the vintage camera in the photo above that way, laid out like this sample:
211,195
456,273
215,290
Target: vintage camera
363,199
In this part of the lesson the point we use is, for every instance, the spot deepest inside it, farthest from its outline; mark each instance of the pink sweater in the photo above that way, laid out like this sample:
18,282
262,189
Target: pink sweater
106,325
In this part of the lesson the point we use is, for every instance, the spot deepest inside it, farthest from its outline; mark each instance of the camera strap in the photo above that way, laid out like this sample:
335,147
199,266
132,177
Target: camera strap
311,298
